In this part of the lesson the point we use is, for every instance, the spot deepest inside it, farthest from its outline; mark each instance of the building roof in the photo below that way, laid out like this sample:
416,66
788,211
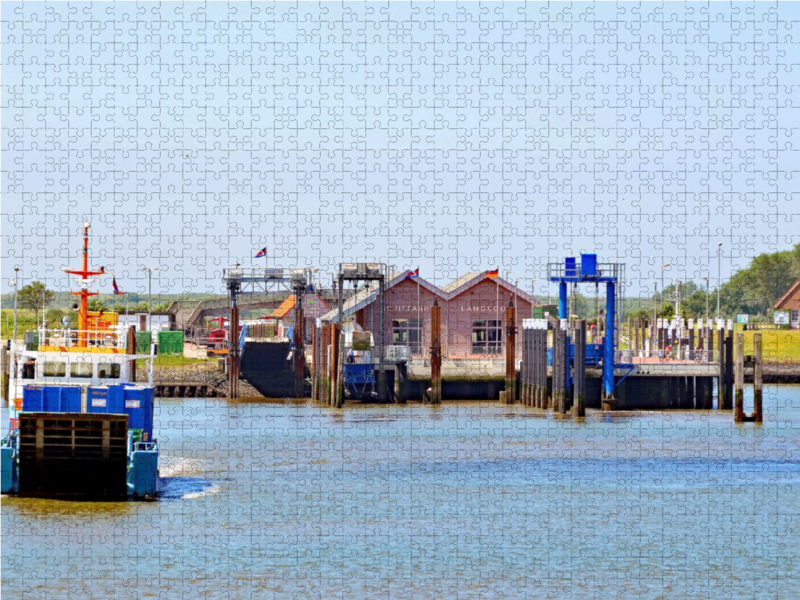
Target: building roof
465,283
286,309
368,295
789,295
457,283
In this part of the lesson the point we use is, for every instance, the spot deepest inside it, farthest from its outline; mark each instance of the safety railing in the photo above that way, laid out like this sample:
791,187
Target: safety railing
73,338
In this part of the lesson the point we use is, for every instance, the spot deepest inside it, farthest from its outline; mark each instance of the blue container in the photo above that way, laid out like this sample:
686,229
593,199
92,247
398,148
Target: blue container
588,265
51,398
106,399
138,405
33,398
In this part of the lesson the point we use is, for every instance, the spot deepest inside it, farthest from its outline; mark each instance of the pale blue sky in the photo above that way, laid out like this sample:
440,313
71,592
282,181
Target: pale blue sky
453,137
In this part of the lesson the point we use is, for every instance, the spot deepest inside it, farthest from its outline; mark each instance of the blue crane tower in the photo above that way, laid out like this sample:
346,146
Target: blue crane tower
588,270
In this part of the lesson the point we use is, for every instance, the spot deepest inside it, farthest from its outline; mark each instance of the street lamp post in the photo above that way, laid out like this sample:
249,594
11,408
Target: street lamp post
16,287
655,316
719,276
150,295
706,280
664,266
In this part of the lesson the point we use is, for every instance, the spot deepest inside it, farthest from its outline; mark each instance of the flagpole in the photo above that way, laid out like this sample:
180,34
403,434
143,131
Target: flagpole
419,320
497,309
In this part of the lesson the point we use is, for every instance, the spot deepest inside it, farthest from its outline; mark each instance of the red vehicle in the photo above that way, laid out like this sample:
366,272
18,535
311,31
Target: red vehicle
217,342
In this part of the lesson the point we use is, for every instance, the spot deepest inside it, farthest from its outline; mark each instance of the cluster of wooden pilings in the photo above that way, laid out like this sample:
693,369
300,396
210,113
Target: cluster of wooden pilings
567,391
327,386
533,371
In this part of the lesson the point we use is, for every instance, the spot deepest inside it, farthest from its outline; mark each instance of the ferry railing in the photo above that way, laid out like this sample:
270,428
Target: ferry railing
74,338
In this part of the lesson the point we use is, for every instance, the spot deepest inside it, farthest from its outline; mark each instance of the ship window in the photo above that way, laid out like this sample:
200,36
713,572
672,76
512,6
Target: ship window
29,369
54,369
80,370
108,371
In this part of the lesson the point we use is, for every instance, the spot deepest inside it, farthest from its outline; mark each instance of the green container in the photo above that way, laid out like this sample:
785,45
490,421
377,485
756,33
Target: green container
170,342
143,340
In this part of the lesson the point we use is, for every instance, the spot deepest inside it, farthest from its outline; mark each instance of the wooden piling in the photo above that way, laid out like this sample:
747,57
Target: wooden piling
552,400
729,370
540,349
511,353
131,349
233,353
436,353
336,329
758,378
579,373
561,400
721,362
524,371
738,412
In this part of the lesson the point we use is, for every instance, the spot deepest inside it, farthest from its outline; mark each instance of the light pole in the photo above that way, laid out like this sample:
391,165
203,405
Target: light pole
150,295
664,266
16,287
719,275
706,280
655,316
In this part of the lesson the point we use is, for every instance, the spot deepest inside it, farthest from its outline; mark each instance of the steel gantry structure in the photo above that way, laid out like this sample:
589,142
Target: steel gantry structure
254,281
366,272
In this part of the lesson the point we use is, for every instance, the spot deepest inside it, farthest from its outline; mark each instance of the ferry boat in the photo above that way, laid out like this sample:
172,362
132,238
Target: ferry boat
79,423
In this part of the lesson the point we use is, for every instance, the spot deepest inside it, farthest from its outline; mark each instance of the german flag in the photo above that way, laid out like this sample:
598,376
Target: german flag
492,274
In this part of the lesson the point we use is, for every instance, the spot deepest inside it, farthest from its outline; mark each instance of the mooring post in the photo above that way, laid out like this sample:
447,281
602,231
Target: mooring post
511,354
557,384
544,393
738,412
758,378
524,371
436,352
579,387
299,343
381,378
721,361
729,369
325,367
335,331
131,349
233,350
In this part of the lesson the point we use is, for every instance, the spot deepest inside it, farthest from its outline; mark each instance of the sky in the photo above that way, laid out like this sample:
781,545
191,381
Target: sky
451,137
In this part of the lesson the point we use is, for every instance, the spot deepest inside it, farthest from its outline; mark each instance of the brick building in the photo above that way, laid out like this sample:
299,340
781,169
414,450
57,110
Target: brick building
791,302
473,313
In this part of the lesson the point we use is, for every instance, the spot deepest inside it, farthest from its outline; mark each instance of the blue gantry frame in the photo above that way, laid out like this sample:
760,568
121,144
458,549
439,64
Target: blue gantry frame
588,270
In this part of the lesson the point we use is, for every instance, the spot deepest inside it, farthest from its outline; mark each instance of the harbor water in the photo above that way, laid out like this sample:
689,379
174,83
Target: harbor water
467,500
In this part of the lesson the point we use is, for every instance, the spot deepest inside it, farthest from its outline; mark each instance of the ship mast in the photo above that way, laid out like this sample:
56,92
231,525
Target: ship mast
84,293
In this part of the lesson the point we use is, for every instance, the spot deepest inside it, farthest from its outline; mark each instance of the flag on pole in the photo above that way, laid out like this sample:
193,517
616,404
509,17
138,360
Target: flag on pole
261,253
491,274
413,274
116,289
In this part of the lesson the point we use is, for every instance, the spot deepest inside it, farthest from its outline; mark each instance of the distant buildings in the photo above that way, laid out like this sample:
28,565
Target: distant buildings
791,302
